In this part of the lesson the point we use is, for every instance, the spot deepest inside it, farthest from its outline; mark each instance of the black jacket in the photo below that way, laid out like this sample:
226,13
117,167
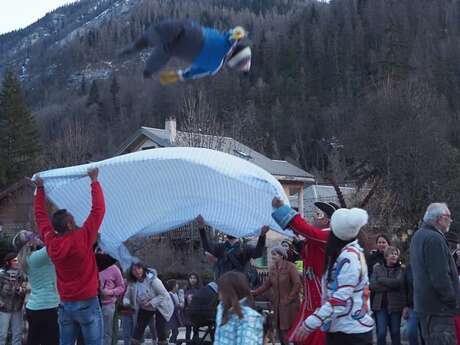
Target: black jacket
232,258
373,258
436,284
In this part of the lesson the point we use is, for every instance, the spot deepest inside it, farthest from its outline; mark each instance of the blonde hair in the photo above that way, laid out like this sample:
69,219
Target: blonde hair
23,255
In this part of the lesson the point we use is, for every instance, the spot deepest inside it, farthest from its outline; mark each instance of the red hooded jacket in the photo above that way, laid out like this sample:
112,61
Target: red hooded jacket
72,253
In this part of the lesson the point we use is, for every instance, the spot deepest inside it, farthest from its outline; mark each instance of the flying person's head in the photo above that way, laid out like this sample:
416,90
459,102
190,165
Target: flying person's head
238,33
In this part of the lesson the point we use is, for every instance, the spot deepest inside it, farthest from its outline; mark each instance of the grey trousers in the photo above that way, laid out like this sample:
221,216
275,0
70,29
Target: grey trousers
108,310
438,330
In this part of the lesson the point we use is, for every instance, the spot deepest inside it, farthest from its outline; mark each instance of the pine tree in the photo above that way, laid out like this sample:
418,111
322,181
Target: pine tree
114,89
19,139
93,97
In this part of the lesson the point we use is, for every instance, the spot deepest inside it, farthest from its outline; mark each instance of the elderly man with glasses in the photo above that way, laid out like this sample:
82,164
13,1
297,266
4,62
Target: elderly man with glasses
436,283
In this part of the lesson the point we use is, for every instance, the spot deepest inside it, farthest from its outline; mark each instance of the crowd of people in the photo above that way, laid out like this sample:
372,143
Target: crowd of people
72,292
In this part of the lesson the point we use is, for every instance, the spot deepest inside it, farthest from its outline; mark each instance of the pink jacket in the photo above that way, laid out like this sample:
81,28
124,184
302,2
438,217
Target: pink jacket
111,284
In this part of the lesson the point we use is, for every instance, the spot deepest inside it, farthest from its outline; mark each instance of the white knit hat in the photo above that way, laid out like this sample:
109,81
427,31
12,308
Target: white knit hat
345,223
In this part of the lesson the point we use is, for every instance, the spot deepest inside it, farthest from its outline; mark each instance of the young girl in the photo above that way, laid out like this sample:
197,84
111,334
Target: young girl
193,285
12,294
148,296
344,314
389,296
176,320
237,323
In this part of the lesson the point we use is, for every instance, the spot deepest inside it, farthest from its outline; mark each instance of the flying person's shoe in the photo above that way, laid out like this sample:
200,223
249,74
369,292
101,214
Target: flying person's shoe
169,77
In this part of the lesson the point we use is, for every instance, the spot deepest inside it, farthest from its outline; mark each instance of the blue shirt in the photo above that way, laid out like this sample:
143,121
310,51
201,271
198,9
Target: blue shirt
247,331
42,278
210,60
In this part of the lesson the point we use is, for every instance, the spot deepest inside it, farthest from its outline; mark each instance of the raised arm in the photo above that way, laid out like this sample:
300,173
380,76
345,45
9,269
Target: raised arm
94,220
41,213
258,250
207,246
286,217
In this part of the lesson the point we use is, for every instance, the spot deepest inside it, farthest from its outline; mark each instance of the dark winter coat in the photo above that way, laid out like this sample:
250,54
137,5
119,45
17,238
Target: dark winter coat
202,310
373,258
12,290
436,285
409,286
190,291
388,281
232,257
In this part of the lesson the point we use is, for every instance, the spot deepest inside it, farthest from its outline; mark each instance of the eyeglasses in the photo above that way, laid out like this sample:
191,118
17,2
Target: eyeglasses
448,216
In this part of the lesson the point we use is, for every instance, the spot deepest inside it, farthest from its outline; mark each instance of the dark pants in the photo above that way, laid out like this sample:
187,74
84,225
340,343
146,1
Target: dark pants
43,327
188,333
413,329
438,330
174,334
143,319
181,39
282,336
339,338
387,320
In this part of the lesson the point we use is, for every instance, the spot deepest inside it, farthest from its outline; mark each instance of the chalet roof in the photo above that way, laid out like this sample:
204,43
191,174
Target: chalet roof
283,170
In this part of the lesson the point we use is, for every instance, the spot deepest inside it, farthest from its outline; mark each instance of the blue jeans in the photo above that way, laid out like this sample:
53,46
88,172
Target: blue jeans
13,319
412,328
85,315
391,320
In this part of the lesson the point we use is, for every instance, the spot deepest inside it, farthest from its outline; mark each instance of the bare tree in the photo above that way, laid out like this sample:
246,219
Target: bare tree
72,147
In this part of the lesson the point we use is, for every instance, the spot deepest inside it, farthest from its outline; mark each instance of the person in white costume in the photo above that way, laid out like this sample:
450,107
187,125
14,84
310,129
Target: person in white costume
344,315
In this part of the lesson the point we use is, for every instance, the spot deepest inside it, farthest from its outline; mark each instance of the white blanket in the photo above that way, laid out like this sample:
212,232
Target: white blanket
153,191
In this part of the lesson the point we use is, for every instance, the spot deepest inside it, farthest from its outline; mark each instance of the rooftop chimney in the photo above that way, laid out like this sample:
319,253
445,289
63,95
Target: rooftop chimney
170,126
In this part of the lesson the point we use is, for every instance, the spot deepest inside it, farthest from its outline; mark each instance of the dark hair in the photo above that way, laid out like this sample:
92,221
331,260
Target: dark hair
8,257
130,276
198,280
383,236
230,237
60,219
171,284
334,246
233,286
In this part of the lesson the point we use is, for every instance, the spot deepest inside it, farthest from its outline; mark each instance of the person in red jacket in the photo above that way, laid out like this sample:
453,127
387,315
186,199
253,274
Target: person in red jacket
71,249
313,256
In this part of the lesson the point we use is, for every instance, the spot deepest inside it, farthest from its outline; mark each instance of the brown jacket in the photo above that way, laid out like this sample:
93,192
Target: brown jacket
389,281
285,283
